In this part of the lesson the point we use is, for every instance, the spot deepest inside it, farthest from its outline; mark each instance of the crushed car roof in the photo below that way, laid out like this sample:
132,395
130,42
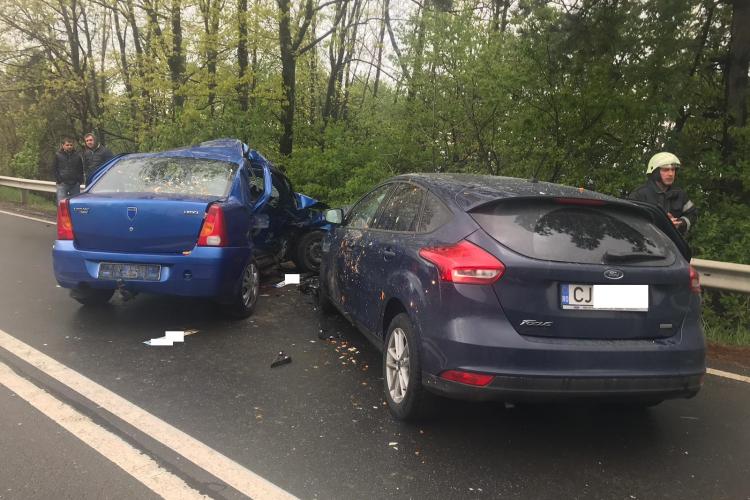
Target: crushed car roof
231,150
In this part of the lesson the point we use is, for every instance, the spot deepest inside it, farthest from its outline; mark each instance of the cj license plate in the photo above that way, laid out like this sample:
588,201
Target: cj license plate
604,297
140,272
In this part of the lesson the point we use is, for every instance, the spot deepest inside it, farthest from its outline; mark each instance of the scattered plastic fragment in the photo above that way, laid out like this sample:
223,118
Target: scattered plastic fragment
281,359
289,279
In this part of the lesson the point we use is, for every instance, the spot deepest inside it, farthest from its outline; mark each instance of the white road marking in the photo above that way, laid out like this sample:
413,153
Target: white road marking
30,218
112,447
221,466
733,376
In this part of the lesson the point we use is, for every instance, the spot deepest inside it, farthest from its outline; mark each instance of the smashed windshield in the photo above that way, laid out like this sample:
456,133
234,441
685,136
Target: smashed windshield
168,175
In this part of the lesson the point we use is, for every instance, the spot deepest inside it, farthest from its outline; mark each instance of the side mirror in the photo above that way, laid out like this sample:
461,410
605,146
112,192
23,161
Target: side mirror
334,216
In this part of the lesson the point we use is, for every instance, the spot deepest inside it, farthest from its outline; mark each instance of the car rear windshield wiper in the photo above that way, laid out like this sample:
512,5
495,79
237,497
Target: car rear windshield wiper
631,257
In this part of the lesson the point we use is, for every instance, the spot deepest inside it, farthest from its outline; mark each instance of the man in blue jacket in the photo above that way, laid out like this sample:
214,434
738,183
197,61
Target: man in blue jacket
68,168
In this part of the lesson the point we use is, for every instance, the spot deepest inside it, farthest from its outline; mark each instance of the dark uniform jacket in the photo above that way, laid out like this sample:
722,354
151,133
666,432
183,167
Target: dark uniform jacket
68,167
673,200
93,158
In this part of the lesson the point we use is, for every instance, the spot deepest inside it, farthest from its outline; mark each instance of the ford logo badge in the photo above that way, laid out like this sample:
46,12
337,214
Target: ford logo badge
613,274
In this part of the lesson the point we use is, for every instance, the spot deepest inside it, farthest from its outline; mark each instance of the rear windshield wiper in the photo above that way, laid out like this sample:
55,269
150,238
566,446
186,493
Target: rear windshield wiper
631,257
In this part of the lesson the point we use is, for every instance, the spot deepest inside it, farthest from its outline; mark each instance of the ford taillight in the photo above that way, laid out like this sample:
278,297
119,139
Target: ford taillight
464,262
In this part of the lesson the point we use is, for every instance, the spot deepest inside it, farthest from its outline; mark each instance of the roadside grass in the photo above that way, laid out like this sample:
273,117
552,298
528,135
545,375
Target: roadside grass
41,201
721,334
726,317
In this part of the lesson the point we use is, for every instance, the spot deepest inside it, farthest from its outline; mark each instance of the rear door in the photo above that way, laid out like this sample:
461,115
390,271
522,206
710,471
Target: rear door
584,269
149,204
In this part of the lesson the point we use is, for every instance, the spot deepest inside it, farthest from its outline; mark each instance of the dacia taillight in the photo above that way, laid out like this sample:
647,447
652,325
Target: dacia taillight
214,230
64,222
695,281
464,262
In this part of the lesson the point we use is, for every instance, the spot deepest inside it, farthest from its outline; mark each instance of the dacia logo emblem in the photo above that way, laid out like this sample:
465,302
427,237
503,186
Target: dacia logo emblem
132,212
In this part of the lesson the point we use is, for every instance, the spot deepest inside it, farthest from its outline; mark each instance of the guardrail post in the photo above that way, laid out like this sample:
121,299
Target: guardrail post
24,196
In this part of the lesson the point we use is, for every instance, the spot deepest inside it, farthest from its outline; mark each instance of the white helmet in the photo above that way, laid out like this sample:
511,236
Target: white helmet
662,160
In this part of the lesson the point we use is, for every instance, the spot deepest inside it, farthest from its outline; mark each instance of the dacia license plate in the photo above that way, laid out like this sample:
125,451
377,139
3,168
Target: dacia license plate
604,297
138,272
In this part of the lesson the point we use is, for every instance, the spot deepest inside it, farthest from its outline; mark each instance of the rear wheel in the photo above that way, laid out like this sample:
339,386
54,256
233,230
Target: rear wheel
247,294
402,372
91,296
308,254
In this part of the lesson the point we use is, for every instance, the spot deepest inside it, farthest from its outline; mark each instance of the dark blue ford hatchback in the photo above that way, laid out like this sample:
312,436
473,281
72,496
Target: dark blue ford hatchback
480,287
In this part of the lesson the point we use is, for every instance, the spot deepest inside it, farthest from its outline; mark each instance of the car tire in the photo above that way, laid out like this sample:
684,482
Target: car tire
405,395
247,293
91,296
308,252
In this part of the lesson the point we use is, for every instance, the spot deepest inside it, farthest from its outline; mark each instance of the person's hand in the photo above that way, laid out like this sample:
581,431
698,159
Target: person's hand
676,222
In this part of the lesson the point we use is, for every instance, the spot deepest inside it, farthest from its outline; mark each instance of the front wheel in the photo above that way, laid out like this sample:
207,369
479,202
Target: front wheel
402,372
247,294
309,253
91,296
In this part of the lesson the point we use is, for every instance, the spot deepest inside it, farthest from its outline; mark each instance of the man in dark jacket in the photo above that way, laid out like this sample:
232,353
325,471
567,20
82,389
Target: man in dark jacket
94,154
660,190
68,168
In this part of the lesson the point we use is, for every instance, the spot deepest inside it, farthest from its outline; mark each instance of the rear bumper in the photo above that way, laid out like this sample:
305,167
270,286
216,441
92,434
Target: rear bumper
543,368
513,388
205,272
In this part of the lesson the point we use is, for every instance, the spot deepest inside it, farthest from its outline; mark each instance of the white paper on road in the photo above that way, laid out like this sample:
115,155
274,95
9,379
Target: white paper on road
169,338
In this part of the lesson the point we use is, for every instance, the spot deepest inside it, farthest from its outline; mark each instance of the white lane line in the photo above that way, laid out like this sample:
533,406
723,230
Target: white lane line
112,447
27,217
210,460
733,376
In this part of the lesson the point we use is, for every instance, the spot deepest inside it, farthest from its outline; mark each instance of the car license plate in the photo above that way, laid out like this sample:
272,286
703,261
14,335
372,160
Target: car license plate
604,297
139,272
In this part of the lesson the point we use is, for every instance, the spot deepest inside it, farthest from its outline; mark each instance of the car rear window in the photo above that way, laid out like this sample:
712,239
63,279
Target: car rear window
548,230
167,175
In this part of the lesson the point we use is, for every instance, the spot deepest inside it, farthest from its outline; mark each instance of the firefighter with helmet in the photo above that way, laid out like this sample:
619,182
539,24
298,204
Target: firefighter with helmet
660,190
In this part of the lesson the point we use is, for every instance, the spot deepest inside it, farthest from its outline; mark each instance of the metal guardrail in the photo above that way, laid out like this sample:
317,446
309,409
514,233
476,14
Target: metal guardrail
714,274
723,275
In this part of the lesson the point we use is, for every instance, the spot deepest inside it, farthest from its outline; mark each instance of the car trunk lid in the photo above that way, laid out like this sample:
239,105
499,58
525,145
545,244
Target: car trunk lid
556,251
124,223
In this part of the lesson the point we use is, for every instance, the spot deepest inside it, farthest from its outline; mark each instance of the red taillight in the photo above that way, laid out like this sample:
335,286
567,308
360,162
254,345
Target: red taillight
64,222
695,281
214,231
464,262
468,378
579,201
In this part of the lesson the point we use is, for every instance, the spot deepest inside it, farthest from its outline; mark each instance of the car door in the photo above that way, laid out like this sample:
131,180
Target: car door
389,249
348,248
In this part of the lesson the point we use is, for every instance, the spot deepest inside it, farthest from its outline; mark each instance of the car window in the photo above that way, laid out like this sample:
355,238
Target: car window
362,214
401,211
434,214
167,175
579,234
255,186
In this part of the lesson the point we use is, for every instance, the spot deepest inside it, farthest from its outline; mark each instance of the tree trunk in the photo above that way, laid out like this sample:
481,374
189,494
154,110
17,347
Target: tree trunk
735,90
177,60
242,55
381,39
288,78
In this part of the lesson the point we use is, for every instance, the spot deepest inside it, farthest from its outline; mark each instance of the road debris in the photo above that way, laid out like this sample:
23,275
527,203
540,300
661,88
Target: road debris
170,337
289,279
281,359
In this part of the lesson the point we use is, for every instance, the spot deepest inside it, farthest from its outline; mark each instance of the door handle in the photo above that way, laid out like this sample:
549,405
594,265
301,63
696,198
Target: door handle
388,254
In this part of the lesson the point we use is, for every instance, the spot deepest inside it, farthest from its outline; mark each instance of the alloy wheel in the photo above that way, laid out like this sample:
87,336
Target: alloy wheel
397,365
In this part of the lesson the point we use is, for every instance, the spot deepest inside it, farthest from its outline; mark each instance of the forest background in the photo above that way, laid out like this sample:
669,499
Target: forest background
344,93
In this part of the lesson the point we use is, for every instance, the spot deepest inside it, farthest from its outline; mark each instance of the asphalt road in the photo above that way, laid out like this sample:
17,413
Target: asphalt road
318,427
